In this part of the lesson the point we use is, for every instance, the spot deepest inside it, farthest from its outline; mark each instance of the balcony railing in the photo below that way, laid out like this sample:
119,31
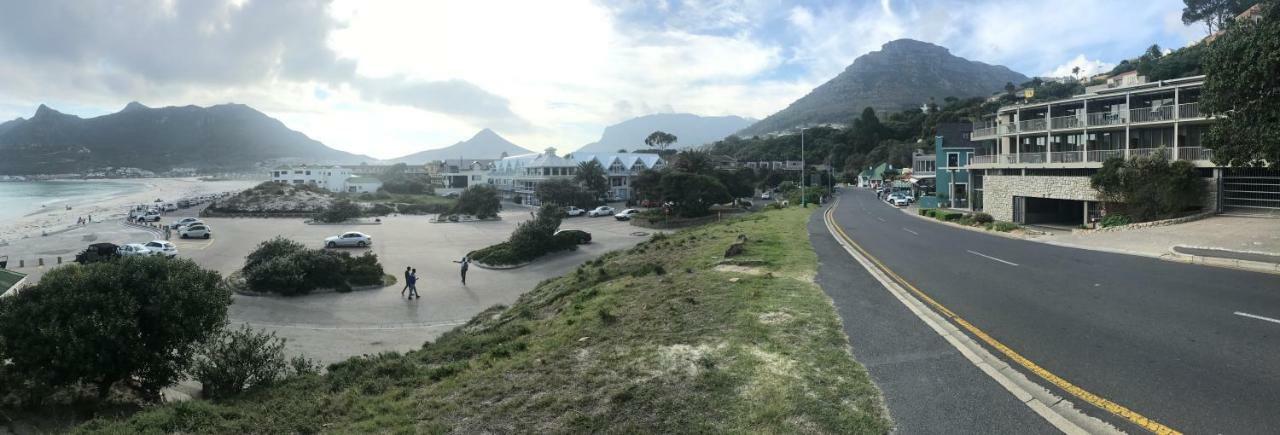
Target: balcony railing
1031,158
1008,128
1102,155
1195,153
1190,111
1147,152
1151,114
1066,157
979,160
1031,125
983,132
1065,122
1102,119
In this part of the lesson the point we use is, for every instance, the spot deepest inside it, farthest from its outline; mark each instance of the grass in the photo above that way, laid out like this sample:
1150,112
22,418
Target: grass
659,338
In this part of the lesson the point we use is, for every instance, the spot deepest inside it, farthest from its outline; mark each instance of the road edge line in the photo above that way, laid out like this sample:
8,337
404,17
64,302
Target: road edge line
1067,419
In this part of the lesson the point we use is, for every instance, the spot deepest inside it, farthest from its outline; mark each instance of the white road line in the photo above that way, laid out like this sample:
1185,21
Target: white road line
993,258
909,231
1255,316
880,219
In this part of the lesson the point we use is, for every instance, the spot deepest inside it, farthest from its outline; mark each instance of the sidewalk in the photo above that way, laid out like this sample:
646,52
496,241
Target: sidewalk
1234,241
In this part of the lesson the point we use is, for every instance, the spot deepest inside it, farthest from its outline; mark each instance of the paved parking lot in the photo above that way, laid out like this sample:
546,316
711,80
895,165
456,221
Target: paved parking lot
334,326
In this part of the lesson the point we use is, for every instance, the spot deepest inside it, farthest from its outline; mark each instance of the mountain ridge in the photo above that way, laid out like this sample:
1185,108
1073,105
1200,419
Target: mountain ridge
690,129
485,144
903,74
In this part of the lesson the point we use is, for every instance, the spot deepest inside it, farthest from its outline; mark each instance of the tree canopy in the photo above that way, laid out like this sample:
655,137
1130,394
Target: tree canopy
693,194
480,201
660,140
1215,14
1242,83
591,176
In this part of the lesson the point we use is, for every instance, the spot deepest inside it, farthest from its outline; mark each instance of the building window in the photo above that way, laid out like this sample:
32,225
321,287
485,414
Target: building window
953,160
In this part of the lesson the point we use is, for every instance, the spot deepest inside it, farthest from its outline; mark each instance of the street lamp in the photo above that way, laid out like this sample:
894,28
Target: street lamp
804,194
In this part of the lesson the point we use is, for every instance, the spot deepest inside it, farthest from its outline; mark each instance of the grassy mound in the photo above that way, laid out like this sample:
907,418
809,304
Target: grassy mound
660,338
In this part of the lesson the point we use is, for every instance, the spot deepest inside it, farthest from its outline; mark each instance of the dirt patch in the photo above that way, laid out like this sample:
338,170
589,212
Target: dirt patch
740,269
775,318
683,358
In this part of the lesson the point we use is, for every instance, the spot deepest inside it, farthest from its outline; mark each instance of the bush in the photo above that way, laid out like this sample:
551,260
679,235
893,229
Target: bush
417,209
1004,227
240,359
289,268
948,216
137,319
1148,188
380,209
1115,220
530,240
983,218
480,201
923,211
340,211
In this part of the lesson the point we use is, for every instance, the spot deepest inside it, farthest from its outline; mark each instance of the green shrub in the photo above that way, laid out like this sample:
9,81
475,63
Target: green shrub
380,209
966,220
1115,220
289,268
1004,227
240,359
480,201
948,216
983,218
418,209
530,240
340,211
923,211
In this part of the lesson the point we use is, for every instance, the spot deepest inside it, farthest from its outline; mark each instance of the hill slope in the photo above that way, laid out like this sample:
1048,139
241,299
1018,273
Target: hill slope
905,73
484,145
692,130
230,136
657,339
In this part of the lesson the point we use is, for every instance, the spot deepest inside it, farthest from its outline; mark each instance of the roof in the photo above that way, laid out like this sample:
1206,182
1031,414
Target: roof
363,180
628,160
9,279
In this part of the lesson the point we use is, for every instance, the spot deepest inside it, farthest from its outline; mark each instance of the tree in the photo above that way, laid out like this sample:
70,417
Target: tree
1215,14
622,151
1009,88
660,140
136,319
738,183
565,193
693,194
1153,52
1148,187
591,176
1075,72
239,359
1241,84
693,162
480,201
647,185
340,211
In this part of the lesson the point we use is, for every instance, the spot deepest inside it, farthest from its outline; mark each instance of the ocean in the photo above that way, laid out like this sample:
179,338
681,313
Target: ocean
21,198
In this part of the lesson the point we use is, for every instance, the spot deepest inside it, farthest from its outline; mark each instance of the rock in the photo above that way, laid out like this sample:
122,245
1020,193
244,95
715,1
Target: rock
734,279
583,339
735,250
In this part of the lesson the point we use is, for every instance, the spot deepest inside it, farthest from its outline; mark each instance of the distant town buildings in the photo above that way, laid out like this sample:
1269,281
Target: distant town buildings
332,178
517,177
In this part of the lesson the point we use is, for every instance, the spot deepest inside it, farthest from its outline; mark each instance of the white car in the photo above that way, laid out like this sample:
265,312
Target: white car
626,215
133,250
171,207
349,239
186,221
574,211
151,216
766,196
162,248
603,210
899,200
201,231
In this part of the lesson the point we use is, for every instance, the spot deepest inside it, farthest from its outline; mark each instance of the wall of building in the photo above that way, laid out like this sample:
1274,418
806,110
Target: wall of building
998,191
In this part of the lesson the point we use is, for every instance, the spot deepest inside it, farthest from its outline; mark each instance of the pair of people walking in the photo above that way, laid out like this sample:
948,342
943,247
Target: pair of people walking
411,278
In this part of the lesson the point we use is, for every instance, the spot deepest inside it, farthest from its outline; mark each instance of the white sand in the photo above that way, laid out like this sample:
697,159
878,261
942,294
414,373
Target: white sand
56,217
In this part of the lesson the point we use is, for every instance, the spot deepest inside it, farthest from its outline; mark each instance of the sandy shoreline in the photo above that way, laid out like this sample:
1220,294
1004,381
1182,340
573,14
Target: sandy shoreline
55,216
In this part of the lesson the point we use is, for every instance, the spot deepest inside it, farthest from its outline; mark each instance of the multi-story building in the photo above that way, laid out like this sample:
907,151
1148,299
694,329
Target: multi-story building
952,150
333,178
1034,160
517,177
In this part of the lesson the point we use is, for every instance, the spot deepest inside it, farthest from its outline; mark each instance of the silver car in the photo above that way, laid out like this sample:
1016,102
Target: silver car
352,238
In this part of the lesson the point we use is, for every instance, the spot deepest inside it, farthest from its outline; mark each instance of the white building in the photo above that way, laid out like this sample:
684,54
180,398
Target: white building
332,178
517,177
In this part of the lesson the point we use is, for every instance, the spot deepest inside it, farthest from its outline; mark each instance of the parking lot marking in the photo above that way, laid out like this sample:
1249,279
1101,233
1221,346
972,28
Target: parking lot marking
993,258
1255,316
909,231
880,219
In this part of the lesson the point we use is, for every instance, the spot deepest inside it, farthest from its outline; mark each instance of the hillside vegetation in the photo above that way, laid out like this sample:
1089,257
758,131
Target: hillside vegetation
660,338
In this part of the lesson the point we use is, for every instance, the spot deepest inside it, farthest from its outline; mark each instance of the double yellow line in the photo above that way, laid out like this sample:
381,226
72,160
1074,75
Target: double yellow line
1027,364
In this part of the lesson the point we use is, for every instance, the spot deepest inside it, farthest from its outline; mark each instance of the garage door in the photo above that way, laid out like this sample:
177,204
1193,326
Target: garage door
1252,191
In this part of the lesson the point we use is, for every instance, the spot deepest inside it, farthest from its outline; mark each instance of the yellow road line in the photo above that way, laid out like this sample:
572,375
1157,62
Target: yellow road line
1082,394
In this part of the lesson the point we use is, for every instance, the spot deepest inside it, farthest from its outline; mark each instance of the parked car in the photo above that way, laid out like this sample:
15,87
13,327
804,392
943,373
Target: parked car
162,248
574,211
170,207
626,215
195,231
133,250
98,252
898,199
184,203
583,237
766,196
151,216
348,239
186,221
603,210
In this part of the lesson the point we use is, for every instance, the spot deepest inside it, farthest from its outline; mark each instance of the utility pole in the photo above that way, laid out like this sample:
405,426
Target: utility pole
804,194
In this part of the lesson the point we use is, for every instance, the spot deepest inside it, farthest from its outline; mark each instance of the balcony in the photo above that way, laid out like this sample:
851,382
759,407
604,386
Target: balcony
1190,111
1195,154
1150,114
1008,128
1092,157
983,133
1102,155
983,160
1065,122
1031,158
1103,119
1066,157
1032,125
1148,152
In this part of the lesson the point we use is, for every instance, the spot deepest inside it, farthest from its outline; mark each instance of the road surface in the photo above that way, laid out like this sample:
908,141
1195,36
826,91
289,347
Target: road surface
1195,348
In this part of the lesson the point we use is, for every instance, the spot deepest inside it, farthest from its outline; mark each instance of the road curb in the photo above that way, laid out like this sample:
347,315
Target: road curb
1056,410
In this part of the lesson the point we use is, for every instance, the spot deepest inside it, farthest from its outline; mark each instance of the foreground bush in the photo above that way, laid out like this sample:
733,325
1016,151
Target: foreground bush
133,321
288,268
1148,188
239,359
479,201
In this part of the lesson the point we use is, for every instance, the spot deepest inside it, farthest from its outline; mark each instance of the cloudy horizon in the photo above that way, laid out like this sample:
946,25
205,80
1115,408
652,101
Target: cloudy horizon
388,78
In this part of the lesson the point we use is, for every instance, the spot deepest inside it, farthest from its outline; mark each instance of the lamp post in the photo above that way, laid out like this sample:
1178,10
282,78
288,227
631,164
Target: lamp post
804,194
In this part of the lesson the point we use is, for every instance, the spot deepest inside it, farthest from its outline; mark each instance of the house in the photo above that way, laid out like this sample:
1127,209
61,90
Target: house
873,176
517,177
331,178
363,185
953,149
459,175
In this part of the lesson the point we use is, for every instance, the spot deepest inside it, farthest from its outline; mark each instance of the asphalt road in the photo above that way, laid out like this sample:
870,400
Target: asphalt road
1192,347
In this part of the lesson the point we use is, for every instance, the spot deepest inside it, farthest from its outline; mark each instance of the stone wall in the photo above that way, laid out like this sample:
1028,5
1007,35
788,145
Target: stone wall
998,191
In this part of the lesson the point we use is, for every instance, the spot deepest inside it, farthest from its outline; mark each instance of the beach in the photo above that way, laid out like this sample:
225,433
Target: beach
47,210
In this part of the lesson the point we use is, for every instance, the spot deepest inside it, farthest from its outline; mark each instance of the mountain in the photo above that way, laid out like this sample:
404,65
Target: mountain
484,145
226,136
691,130
904,74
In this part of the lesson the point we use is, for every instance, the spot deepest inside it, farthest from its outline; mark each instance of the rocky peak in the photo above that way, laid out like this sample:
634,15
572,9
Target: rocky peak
134,106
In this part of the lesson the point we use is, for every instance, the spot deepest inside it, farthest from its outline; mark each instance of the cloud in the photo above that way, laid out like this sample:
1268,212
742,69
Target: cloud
1087,67
451,97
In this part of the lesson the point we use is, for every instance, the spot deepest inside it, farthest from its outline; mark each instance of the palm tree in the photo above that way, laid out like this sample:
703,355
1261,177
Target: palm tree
1075,72
591,177
660,139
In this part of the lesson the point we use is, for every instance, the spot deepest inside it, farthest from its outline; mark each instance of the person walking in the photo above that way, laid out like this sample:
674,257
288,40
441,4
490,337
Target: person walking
413,285
406,281
466,263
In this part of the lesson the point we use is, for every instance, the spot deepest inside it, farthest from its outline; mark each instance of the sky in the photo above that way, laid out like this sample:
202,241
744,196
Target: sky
387,78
